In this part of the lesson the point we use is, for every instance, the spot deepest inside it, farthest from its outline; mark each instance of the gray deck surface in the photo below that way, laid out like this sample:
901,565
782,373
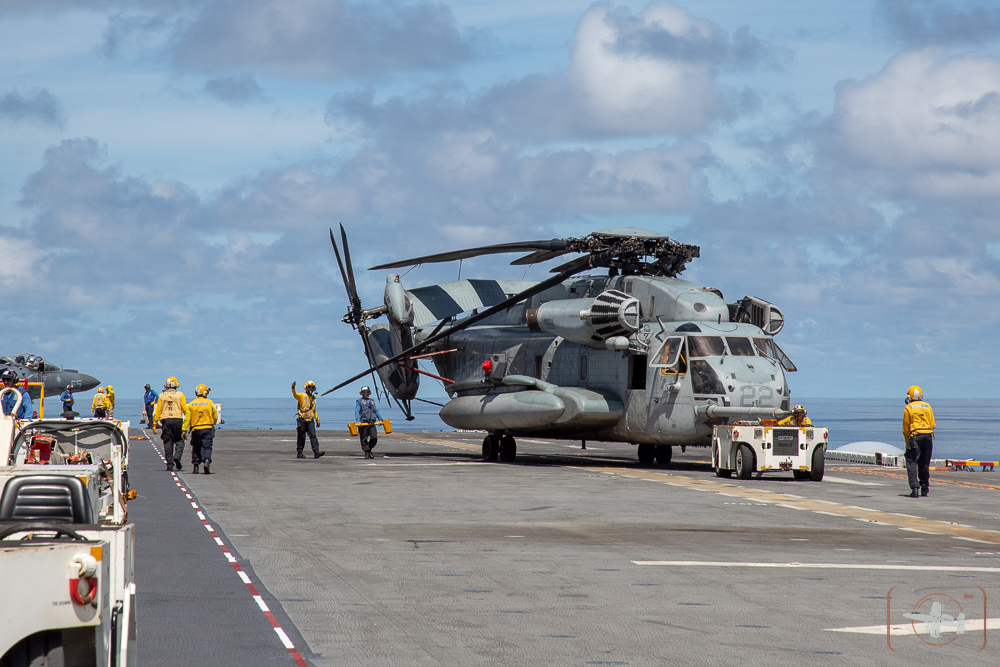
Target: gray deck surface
428,556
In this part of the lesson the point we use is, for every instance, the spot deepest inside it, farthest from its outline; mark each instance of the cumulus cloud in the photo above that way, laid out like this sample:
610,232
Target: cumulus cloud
301,39
930,22
39,106
629,75
236,90
926,125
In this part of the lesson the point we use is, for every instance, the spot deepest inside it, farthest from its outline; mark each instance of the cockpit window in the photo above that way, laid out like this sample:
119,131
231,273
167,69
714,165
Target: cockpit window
705,346
669,353
704,379
739,347
763,347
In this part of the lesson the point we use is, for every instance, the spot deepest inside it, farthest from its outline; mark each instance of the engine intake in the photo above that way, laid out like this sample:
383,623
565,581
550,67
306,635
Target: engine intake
587,321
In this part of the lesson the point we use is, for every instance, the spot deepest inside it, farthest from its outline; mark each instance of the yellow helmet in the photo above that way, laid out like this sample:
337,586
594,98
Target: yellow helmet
914,393
110,388
798,410
201,390
312,384
171,383
100,390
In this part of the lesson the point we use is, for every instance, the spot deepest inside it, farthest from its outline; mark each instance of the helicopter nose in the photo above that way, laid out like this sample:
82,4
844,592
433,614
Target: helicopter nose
87,382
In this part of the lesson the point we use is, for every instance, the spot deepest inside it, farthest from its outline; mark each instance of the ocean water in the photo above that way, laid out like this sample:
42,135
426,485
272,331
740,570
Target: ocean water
966,428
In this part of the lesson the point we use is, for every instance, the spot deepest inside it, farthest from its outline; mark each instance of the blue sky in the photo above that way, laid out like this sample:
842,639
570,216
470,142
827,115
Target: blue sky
168,171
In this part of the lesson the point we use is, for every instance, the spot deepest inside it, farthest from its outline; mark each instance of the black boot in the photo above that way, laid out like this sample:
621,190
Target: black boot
914,494
194,469
924,492
316,455
207,471
300,455
177,465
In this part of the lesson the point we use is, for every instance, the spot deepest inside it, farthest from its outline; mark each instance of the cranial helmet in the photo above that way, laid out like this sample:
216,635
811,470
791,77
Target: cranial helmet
365,390
309,384
201,390
914,393
799,410
100,390
9,376
146,387
171,383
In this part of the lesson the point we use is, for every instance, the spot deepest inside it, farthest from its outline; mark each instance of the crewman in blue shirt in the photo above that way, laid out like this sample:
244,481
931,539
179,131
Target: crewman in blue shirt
149,400
10,379
67,401
365,415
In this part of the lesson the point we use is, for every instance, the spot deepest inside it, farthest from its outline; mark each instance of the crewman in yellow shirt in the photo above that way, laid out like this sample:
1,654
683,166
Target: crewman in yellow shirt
306,421
170,409
200,418
109,401
918,431
797,418
99,406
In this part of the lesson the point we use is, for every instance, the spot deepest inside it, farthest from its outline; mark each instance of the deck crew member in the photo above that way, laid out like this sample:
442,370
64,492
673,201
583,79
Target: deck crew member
99,406
306,421
365,415
199,419
67,402
149,400
797,418
10,379
109,401
918,431
169,414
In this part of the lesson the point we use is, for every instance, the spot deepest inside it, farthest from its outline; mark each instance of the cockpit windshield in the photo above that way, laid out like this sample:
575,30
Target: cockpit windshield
763,347
32,361
706,346
739,346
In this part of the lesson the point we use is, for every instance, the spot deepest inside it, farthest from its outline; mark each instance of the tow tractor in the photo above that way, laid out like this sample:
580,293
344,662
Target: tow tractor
66,547
746,447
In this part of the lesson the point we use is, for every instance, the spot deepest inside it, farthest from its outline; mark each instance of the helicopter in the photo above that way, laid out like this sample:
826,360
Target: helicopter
34,368
634,355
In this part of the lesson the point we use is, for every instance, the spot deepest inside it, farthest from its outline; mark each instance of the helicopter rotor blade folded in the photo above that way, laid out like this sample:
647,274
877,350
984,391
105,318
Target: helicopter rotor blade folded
539,256
572,268
553,245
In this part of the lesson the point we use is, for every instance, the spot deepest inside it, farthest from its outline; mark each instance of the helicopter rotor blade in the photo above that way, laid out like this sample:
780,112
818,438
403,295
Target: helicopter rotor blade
572,268
353,289
539,256
552,245
340,263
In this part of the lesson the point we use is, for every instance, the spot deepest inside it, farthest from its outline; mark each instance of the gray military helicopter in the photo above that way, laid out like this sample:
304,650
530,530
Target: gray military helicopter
34,368
635,355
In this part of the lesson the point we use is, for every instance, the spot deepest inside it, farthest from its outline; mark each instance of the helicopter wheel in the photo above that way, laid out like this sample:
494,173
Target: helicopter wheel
508,448
663,454
647,454
491,447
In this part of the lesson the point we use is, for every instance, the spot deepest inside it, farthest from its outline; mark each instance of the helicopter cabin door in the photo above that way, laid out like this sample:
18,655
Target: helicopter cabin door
671,410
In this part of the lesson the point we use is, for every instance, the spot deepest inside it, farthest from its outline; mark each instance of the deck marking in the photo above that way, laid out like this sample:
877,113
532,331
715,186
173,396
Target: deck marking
844,480
865,514
282,636
817,566
972,625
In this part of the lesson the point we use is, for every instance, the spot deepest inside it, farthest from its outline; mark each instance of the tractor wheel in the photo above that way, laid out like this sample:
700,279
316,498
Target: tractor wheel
819,463
744,462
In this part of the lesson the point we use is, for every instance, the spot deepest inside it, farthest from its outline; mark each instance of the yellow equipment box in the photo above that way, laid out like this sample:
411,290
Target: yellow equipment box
386,426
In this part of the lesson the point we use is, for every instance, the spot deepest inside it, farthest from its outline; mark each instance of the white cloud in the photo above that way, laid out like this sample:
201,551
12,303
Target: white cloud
929,125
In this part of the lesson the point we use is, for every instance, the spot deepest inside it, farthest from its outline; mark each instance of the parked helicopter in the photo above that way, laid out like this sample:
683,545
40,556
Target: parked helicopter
33,368
636,355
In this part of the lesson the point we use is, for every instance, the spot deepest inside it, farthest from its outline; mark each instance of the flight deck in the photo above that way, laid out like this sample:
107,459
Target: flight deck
430,556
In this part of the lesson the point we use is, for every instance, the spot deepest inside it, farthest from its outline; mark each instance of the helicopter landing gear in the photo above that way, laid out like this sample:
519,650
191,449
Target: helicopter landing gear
646,454
663,454
491,447
508,448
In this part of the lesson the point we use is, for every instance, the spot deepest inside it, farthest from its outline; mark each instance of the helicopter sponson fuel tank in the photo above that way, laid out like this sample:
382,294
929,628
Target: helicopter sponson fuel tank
517,402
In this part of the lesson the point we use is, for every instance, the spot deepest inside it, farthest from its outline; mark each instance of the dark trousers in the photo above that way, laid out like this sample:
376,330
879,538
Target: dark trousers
150,409
170,436
201,445
303,427
369,436
100,413
918,461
